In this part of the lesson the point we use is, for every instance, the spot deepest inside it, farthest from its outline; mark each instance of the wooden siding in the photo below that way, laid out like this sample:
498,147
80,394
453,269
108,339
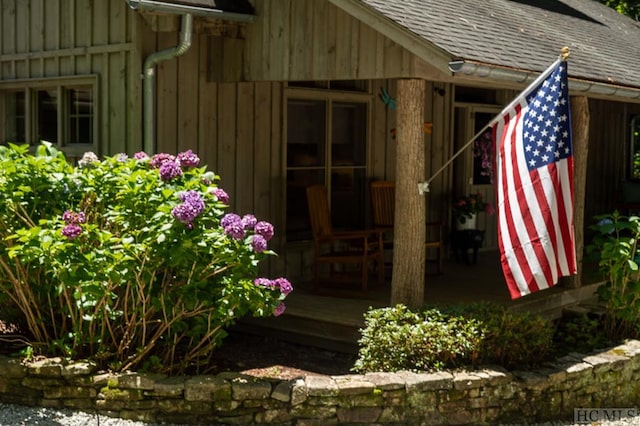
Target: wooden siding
314,40
609,142
237,129
51,38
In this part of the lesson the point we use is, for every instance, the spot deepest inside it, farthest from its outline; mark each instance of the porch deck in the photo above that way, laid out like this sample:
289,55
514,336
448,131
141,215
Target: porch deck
332,320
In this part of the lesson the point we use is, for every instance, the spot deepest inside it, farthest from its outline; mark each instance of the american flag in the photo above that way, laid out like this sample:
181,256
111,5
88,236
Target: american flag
534,169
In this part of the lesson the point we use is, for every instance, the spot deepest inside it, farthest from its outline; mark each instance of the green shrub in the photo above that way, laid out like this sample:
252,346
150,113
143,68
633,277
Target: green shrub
511,339
580,333
128,259
400,339
615,247
396,338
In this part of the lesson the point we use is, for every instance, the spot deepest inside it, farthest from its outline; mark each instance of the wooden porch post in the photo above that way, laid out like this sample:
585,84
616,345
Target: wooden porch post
407,284
580,134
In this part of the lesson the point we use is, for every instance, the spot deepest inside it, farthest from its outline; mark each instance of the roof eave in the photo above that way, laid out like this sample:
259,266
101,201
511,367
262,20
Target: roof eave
181,9
511,75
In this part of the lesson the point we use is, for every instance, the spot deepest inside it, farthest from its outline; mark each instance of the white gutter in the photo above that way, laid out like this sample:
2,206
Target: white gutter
478,69
180,9
186,30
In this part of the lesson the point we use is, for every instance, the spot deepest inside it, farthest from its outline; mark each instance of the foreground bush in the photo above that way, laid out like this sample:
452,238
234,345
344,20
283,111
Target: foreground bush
615,247
130,261
397,338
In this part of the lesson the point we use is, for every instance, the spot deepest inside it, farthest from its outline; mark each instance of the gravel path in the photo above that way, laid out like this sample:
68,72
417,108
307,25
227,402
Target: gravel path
17,415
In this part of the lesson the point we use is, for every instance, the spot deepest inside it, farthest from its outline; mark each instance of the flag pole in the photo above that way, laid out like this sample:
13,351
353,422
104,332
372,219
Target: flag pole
424,186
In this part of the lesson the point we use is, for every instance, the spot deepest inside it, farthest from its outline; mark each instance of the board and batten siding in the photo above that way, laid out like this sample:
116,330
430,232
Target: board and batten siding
45,39
237,130
300,40
608,158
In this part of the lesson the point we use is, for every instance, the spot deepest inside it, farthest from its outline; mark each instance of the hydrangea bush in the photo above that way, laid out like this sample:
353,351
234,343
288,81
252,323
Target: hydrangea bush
130,261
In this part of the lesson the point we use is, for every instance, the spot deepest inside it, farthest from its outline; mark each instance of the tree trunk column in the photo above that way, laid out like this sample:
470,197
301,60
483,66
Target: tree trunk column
580,138
407,284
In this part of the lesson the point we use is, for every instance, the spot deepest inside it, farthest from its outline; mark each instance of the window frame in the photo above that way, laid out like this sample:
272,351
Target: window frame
329,97
62,86
634,125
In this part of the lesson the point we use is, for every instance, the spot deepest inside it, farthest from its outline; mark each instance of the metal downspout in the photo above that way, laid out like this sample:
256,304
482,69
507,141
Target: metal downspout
149,75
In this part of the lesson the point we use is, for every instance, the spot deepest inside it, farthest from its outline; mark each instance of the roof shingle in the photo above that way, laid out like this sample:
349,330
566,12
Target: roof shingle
526,34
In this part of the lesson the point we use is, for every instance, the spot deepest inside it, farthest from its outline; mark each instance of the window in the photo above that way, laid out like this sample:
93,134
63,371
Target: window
16,117
345,85
635,148
326,144
60,111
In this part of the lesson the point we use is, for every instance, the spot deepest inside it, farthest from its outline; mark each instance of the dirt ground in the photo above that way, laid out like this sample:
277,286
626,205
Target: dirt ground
252,354
263,356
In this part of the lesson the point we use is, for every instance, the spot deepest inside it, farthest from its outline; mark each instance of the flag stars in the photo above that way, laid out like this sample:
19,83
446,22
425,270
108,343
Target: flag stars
545,134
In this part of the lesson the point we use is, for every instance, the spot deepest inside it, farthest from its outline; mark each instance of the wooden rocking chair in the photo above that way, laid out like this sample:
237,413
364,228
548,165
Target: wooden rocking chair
383,197
359,247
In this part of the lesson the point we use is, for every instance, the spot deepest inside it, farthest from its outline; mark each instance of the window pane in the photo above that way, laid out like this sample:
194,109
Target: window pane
306,122
348,134
15,105
483,151
348,201
298,226
80,115
635,147
47,111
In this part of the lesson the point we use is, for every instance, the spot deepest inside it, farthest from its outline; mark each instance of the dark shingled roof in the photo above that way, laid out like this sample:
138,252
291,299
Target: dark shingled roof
526,34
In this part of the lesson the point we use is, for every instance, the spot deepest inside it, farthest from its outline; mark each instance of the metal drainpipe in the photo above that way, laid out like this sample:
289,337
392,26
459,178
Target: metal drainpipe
149,75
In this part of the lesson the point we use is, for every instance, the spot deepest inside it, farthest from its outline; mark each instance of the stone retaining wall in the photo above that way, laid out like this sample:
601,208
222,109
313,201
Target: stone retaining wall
608,379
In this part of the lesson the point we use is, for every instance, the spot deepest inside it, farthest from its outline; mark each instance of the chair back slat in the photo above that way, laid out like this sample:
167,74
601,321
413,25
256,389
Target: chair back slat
383,197
319,213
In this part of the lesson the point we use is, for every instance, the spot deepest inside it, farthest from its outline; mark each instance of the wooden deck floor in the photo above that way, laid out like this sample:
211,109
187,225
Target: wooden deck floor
339,314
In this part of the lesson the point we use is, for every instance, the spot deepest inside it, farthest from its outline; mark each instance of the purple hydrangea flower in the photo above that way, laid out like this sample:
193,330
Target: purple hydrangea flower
170,170
141,155
265,229
159,159
235,230
191,207
81,217
249,221
188,159
264,282
70,217
228,219
194,199
221,195
279,310
184,213
284,285
122,157
72,231
258,243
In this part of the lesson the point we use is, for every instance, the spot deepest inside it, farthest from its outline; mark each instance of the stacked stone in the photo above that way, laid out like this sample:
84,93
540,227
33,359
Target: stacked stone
608,379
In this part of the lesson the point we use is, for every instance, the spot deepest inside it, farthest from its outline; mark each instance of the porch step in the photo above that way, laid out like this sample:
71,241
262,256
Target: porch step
553,307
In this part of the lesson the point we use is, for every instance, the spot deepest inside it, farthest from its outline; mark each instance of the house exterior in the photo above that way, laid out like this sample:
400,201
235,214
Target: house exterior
274,95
